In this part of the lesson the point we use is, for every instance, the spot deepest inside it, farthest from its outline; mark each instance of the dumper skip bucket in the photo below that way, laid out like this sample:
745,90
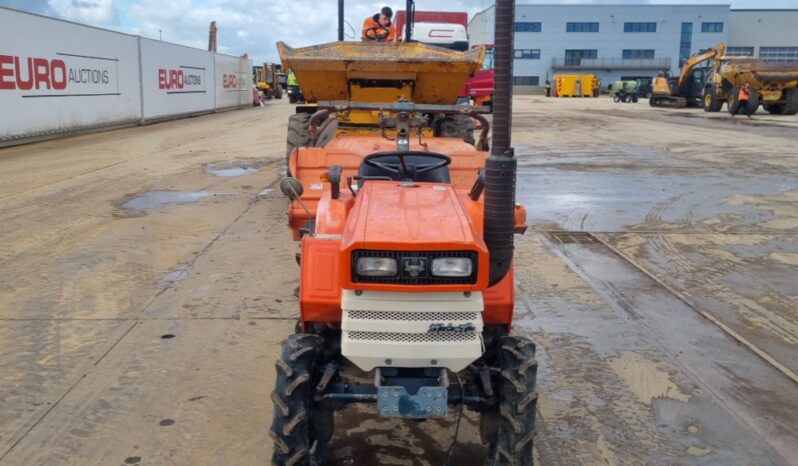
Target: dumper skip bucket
325,71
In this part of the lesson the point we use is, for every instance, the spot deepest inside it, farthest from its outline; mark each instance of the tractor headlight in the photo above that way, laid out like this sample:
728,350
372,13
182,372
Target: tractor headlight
377,266
452,267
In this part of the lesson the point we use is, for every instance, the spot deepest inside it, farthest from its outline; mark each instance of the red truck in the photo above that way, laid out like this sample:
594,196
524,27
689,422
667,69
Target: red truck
449,29
440,28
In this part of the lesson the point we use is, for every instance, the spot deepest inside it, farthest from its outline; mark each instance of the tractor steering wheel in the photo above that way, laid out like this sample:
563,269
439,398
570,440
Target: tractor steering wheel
403,169
376,36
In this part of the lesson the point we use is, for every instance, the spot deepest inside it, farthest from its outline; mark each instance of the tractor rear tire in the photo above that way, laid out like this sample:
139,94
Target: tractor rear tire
791,104
301,427
616,98
298,135
509,428
712,103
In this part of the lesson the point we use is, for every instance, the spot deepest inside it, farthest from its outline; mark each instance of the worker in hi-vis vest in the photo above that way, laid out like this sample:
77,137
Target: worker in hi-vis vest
742,98
379,28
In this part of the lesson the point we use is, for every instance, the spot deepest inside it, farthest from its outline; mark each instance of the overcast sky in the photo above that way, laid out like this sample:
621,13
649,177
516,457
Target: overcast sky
254,26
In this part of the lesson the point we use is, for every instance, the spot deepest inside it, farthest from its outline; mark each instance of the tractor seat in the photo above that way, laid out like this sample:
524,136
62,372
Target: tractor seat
438,175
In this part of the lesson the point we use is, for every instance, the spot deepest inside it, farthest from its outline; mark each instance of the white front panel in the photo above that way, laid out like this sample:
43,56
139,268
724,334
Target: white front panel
431,329
175,79
233,81
57,76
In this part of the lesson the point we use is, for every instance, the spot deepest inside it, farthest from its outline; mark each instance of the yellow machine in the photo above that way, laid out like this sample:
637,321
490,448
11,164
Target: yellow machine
267,81
773,85
576,85
341,74
688,89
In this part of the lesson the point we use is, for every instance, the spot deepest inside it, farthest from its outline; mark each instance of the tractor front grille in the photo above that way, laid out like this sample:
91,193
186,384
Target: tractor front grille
387,337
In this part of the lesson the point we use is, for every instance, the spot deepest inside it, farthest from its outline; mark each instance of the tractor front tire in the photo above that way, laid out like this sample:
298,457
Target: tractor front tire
301,427
509,428
298,135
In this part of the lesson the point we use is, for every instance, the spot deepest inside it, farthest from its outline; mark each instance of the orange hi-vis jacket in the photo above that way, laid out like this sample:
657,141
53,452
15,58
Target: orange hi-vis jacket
744,94
374,21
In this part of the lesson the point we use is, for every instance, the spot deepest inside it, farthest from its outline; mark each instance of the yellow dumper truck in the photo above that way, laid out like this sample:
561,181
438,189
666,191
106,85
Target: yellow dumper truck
774,85
576,85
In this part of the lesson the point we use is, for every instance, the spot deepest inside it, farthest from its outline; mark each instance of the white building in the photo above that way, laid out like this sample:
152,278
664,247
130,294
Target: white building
612,41
768,34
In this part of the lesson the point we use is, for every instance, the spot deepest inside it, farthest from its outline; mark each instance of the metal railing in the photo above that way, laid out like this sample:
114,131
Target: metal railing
616,63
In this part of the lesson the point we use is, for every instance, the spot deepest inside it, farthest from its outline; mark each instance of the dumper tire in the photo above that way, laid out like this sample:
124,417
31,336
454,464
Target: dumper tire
457,126
712,103
301,426
298,135
775,109
509,428
791,102
732,104
753,102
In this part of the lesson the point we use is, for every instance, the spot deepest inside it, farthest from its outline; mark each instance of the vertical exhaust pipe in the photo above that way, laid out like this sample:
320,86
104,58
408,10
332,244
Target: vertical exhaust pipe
340,20
501,166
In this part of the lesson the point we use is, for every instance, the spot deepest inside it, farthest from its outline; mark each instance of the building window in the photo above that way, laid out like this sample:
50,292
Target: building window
638,54
527,54
582,27
527,27
639,27
782,54
526,80
686,43
711,27
574,57
740,52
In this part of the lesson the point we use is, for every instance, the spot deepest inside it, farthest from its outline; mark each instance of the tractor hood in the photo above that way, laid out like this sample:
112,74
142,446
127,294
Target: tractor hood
424,216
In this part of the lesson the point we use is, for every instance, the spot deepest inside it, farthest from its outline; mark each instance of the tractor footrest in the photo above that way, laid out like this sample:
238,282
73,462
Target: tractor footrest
427,402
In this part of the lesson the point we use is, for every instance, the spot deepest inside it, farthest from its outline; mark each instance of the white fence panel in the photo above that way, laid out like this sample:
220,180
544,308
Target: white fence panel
233,81
175,79
57,76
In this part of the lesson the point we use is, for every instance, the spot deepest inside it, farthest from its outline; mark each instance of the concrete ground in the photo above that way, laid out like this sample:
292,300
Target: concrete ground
148,276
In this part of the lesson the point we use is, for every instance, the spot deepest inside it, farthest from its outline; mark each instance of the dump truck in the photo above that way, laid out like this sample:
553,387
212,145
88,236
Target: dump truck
773,85
405,224
576,85
686,90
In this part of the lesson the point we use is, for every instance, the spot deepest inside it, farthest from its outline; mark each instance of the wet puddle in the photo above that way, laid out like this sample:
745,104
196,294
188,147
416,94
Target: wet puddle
157,199
228,170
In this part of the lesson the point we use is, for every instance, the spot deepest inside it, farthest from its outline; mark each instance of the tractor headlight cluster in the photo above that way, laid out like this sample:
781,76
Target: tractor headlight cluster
377,266
414,267
452,267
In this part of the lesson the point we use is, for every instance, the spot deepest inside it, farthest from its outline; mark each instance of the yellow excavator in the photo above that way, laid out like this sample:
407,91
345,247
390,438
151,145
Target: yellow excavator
688,89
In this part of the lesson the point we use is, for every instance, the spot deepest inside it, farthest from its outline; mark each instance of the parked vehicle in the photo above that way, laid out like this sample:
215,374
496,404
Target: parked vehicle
576,85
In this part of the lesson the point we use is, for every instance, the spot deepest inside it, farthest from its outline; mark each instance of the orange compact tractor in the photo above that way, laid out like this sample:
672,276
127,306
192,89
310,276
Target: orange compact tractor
406,225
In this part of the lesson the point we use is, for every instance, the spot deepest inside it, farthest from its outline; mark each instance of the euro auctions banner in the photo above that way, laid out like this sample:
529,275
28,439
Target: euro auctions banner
175,79
233,81
57,76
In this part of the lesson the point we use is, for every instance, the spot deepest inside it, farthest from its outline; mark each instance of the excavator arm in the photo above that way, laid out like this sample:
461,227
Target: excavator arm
698,58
